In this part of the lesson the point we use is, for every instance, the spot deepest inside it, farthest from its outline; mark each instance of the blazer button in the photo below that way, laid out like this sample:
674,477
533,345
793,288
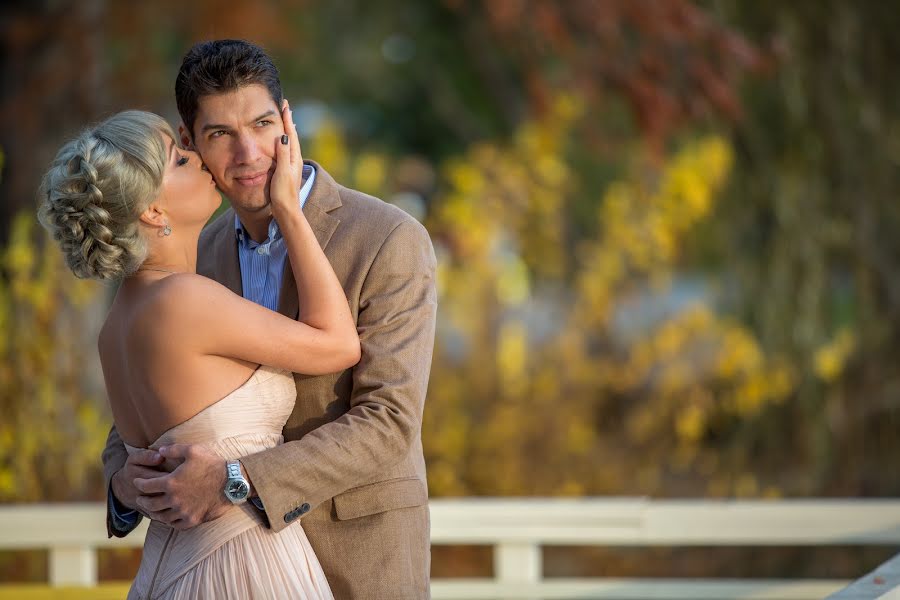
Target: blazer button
290,516
304,508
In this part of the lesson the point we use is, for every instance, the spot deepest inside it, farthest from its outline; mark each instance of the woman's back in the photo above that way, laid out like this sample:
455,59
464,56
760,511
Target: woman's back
156,373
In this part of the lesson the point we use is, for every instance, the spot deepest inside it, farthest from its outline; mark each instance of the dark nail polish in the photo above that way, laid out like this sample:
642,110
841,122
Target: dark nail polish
284,139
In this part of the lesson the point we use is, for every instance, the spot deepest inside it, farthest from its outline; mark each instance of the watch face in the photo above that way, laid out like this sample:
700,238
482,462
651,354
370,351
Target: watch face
237,490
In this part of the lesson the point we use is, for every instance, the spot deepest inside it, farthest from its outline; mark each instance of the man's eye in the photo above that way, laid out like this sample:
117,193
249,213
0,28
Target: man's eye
182,160
264,122
218,133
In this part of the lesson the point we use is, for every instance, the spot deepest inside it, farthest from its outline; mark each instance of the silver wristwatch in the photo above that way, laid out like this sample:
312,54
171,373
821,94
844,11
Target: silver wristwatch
236,487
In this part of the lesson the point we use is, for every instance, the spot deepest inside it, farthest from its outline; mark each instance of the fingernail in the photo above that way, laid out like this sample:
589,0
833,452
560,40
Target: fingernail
284,139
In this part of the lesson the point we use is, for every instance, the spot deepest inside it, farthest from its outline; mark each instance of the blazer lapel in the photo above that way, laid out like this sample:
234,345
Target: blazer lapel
324,198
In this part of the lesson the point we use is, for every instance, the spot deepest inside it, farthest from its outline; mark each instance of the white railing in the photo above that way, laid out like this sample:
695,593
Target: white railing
517,529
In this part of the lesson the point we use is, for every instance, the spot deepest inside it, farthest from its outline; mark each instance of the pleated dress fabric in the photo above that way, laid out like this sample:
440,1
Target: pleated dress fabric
235,556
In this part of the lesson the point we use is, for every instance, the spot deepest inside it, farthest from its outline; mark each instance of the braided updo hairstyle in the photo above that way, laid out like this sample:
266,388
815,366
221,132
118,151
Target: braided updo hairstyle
96,189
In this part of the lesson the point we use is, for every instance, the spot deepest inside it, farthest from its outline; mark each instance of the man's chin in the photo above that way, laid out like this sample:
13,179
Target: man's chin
258,208
251,205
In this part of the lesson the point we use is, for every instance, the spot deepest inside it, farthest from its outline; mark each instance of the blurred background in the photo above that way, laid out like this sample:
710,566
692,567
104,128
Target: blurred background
667,234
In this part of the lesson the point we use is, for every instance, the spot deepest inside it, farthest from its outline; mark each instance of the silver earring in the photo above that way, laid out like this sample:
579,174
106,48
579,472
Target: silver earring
165,231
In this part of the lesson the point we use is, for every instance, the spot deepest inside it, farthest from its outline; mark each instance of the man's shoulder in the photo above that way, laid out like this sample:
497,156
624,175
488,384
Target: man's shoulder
214,227
362,215
206,256
371,216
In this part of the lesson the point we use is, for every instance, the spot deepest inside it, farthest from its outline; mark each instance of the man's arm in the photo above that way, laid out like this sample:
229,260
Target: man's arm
119,471
119,522
396,322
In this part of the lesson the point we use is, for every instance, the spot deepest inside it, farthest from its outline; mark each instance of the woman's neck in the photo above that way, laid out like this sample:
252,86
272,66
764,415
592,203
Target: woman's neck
172,254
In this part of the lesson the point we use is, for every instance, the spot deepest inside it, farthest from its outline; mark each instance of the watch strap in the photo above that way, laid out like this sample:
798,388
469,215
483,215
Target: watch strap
234,470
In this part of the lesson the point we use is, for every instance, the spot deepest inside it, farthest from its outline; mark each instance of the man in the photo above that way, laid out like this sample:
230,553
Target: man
352,464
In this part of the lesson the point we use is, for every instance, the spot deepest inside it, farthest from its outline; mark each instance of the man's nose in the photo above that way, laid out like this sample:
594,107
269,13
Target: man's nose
247,149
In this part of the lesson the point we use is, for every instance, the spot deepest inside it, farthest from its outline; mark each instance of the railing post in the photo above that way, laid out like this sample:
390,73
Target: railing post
73,565
517,562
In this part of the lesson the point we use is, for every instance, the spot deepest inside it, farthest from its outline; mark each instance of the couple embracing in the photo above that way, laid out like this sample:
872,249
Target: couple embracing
266,373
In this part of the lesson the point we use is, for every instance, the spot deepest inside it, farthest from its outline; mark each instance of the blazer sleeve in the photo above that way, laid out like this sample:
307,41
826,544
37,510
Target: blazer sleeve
396,323
114,456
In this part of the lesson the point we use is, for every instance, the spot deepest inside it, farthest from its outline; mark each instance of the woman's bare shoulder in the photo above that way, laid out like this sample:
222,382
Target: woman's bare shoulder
186,295
180,282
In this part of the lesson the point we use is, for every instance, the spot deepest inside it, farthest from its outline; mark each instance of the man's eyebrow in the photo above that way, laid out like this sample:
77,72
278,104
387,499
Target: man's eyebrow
213,126
268,113
206,128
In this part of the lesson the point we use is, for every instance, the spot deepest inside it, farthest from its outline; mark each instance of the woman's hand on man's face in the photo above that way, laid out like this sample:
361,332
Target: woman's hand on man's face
286,180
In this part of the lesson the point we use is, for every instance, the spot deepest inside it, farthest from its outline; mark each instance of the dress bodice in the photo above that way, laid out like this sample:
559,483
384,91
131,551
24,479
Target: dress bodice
247,420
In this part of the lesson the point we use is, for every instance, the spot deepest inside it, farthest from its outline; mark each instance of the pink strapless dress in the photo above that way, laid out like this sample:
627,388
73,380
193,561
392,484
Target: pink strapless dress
235,556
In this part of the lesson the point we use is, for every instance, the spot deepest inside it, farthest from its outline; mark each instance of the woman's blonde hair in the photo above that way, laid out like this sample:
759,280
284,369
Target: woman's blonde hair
97,187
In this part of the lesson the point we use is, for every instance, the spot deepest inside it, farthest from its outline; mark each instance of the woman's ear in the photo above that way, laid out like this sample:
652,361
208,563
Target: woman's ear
154,216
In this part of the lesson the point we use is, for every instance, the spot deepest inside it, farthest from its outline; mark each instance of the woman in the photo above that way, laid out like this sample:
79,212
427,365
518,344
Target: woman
125,202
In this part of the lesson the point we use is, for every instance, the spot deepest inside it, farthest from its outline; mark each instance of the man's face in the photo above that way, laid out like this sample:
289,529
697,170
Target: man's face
235,133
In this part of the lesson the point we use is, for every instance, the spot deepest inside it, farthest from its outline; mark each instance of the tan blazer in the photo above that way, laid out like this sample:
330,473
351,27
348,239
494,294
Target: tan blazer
352,468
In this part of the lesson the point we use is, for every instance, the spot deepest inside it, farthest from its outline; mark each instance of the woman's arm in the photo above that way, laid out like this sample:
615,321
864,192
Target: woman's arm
319,293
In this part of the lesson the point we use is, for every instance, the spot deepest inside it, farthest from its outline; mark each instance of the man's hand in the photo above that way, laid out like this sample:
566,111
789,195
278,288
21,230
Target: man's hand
144,464
189,495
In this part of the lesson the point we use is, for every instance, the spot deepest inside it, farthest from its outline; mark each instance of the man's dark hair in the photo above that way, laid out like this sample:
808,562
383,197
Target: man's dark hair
221,66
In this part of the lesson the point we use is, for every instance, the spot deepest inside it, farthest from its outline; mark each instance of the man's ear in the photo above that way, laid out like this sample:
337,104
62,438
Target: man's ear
154,216
185,137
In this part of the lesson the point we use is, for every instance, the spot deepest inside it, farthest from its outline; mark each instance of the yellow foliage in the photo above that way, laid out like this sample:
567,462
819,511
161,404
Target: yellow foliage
513,285
691,423
329,150
580,438
500,235
829,360
370,173
641,227
55,421
512,354
746,486
532,406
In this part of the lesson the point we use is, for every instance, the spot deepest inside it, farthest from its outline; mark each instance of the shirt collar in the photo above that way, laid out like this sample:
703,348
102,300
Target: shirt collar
309,177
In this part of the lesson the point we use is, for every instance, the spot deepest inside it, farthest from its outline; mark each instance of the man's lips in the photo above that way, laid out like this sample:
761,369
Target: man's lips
252,180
